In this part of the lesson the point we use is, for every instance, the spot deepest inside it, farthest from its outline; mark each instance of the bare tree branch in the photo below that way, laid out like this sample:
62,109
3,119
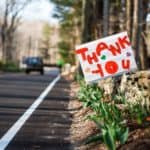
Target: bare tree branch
9,23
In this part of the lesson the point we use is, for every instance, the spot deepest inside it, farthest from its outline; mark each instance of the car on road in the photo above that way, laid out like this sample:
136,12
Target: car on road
34,64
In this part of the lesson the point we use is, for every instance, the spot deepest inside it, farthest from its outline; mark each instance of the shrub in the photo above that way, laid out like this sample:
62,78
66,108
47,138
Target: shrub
9,66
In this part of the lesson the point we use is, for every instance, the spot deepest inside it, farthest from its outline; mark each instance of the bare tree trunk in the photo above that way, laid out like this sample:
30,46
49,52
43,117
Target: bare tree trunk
87,21
136,32
105,17
139,26
129,19
143,48
99,18
9,47
4,50
114,26
122,15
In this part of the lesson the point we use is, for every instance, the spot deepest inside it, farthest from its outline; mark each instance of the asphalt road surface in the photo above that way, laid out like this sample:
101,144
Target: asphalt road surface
33,112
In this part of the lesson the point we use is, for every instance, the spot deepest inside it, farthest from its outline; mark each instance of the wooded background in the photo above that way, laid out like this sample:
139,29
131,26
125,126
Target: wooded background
86,20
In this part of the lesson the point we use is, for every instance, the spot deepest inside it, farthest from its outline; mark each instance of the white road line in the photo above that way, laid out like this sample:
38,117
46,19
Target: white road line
10,134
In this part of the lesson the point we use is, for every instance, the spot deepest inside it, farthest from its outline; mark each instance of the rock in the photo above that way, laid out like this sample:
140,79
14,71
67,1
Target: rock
143,74
146,93
144,82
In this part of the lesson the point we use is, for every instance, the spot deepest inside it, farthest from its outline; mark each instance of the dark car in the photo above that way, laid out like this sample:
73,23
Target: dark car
34,64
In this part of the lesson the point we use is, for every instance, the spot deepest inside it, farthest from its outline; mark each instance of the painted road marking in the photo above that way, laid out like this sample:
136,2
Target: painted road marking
10,134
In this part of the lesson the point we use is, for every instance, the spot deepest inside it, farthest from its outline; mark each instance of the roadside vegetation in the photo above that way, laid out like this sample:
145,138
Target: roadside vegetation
9,67
115,114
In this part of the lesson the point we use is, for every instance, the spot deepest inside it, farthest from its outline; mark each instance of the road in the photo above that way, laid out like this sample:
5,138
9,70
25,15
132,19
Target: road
47,126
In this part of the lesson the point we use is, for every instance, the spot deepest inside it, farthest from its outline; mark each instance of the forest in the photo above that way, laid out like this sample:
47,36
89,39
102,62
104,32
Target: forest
86,20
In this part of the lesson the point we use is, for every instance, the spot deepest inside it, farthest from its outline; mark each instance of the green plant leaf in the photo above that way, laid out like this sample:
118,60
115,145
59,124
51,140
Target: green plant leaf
109,139
124,136
94,138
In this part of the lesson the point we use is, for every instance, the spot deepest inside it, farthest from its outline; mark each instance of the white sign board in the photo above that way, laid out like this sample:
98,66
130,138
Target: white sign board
106,57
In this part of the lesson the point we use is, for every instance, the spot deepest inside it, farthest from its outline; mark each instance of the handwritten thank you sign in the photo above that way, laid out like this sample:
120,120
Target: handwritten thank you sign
106,57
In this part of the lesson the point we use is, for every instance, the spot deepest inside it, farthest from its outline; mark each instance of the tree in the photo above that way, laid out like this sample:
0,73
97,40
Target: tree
10,21
92,20
105,17
87,21
144,44
97,21
45,42
129,19
139,27
69,14
135,35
